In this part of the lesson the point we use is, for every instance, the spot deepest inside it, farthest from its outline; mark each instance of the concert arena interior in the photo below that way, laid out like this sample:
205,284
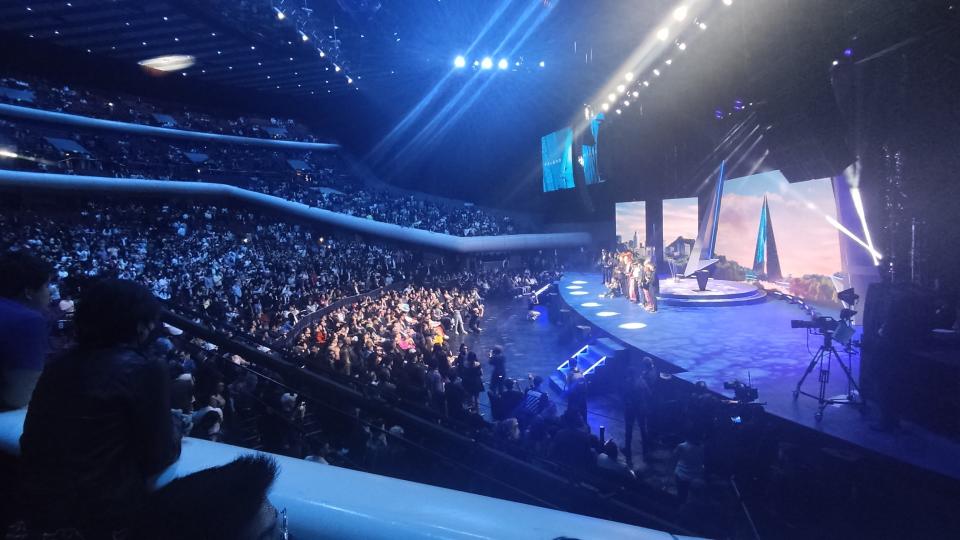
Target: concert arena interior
479,269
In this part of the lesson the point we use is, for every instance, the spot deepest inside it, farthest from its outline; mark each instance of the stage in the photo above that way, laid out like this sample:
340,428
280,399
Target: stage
751,341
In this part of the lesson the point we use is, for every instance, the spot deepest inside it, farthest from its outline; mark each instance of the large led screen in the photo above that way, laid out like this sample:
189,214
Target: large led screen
557,155
679,228
632,224
780,233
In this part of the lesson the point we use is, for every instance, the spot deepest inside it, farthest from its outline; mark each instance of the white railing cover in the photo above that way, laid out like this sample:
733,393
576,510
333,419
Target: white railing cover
323,501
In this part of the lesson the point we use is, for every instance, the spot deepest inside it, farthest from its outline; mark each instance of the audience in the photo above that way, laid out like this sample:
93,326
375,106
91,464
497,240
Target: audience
314,178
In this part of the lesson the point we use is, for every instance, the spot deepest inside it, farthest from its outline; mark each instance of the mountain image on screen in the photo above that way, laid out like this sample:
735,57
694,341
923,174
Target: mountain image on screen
804,258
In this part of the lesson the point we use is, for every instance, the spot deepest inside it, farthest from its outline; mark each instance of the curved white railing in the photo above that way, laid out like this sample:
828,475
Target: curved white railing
447,242
66,119
323,501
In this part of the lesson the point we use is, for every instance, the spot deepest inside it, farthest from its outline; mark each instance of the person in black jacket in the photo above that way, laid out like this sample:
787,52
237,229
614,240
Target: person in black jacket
99,423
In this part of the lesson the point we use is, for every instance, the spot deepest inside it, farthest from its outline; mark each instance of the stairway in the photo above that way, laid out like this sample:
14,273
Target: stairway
600,362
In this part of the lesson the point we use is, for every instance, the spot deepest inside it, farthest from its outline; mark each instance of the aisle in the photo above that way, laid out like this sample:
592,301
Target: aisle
536,347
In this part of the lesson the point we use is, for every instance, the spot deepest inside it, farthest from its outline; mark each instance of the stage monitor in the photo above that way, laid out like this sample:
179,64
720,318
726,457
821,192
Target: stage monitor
781,234
680,228
557,155
632,224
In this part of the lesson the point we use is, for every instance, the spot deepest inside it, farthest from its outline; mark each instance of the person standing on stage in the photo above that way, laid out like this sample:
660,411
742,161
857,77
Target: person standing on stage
499,364
606,265
648,284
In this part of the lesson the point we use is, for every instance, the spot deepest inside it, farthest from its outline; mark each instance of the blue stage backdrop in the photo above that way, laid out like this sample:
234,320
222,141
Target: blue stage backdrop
557,154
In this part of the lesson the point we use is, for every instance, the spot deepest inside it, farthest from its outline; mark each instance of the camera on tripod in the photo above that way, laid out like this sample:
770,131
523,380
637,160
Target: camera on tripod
821,324
742,392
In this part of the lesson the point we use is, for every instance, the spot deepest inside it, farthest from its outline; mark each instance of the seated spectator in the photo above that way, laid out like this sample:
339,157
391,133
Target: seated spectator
99,423
24,295
227,502
608,461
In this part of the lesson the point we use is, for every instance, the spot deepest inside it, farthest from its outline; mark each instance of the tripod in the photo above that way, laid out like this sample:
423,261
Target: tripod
825,356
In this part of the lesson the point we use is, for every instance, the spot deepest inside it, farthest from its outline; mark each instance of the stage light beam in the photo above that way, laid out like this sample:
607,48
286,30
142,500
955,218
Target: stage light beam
858,204
663,34
680,13
628,76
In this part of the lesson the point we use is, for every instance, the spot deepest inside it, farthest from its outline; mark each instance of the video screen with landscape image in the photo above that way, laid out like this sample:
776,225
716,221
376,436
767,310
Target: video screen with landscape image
781,235
680,228
631,218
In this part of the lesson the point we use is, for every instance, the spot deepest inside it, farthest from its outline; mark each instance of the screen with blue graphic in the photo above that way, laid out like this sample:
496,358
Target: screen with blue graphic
557,154
589,154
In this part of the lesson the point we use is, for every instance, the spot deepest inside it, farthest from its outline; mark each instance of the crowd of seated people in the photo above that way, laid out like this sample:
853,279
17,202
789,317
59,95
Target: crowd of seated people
317,181
40,94
258,275
315,178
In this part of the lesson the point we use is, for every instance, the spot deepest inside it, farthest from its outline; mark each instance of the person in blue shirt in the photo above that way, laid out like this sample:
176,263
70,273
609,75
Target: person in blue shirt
24,330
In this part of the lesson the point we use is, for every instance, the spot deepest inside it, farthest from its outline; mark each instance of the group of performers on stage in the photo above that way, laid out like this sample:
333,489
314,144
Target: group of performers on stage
627,273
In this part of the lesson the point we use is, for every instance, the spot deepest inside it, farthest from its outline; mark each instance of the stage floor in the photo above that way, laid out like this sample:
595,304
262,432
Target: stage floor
755,342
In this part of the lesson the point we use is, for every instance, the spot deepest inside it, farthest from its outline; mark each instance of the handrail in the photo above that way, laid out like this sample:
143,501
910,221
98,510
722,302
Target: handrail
424,238
324,501
39,115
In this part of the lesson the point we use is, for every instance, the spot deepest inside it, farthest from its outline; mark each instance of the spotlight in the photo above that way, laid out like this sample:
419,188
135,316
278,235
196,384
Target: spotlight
680,13
668,61
626,103
543,64
656,72
728,2
336,67
280,14
503,63
487,63
322,54
636,94
663,34
349,80
646,83
621,88
628,76
606,107
459,61
612,97
848,52
682,46
702,25
619,111
835,63
303,36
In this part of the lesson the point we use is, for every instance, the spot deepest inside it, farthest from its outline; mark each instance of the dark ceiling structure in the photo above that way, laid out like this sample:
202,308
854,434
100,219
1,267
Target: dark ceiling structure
379,74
